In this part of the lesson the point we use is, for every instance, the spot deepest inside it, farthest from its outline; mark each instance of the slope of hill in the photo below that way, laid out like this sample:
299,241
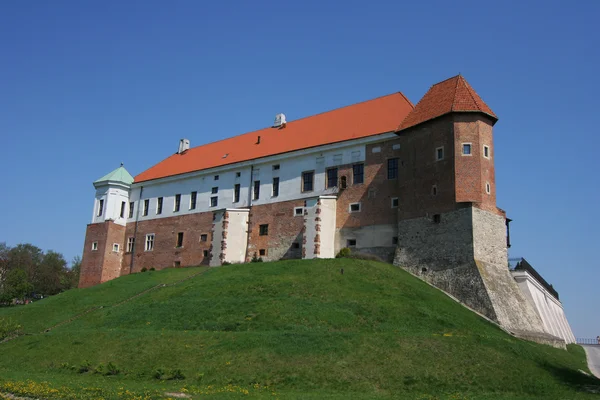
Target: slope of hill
290,329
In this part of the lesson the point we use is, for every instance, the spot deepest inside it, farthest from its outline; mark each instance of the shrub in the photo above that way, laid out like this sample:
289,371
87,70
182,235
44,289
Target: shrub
99,369
159,374
176,374
85,367
144,269
8,327
152,269
225,263
344,253
111,369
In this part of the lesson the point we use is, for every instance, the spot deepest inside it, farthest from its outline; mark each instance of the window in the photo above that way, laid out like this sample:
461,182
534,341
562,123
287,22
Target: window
215,190
179,239
236,193
298,211
488,188
354,207
177,203
205,253
193,198
307,181
149,242
395,240
94,246
439,153
275,187
276,167
434,190
263,229
123,204
159,204
466,149
358,173
216,177
295,245
332,178
256,190
437,218
115,247
351,243
130,244
146,206
486,151
131,210
203,237
262,252
214,201
392,168
394,202
238,174
100,207
177,264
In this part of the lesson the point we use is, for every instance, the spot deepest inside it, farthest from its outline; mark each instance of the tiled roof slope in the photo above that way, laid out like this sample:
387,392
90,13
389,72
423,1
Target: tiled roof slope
368,118
452,95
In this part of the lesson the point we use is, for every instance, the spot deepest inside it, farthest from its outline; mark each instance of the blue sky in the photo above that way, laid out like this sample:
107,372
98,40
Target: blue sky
86,85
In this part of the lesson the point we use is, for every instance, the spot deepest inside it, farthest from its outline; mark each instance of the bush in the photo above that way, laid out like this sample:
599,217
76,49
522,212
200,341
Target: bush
159,374
99,369
176,374
144,269
225,263
8,327
344,253
85,367
256,258
111,369
152,269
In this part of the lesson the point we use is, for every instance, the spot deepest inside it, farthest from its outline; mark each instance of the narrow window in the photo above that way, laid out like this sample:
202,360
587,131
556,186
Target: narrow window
214,201
123,204
236,193
262,252
146,207
275,187
177,203
343,184
307,181
434,190
263,229
115,247
256,190
358,173
466,149
94,246
394,202
298,211
215,190
216,177
203,237
179,239
276,167
238,174
205,253
392,168
332,178
437,218
354,207
395,240
131,209
351,243
193,198
486,151
439,153
159,204
149,242
295,245
100,207
488,188
130,244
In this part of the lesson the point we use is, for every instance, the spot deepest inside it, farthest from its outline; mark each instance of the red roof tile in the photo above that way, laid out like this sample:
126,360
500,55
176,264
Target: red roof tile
452,95
368,118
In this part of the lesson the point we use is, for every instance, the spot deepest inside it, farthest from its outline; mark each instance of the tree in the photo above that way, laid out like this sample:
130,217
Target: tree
16,285
50,274
74,272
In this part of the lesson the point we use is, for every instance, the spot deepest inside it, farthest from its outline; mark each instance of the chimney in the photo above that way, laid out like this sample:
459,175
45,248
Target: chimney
184,145
279,121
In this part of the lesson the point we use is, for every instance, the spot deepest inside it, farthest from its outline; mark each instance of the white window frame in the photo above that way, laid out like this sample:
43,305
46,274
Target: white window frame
462,149
392,202
130,243
116,247
94,246
353,204
436,153
296,209
147,241
486,149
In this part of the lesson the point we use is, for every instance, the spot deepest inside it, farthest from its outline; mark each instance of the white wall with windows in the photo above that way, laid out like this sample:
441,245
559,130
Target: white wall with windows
111,203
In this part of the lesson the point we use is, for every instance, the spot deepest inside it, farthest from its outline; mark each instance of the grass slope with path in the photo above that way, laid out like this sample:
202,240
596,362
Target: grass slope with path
289,329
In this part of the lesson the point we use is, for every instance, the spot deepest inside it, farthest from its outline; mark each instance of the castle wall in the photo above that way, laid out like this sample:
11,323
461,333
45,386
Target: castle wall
102,264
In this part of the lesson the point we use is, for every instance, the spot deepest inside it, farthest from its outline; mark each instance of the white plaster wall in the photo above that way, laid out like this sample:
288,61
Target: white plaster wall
309,227
237,236
112,196
328,216
215,261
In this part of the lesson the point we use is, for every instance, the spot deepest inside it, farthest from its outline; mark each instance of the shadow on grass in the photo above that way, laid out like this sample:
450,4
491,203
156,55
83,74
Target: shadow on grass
573,378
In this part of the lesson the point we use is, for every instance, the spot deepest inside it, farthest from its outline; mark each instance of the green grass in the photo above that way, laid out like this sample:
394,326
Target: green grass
291,329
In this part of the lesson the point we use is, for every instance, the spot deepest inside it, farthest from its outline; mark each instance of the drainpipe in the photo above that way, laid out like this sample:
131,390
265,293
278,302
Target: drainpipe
137,217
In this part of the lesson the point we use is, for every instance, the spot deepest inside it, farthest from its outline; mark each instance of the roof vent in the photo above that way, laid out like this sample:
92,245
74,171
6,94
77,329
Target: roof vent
279,121
184,145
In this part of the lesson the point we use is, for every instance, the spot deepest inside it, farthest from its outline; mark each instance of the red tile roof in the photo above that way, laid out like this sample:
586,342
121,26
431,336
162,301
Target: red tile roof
368,118
452,95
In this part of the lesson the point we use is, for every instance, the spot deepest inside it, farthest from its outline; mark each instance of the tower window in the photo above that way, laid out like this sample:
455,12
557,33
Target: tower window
256,190
263,229
177,203
94,246
275,187
149,242
159,204
307,181
392,168
434,190
236,193
298,211
179,239
100,207
131,204
146,207
193,198
123,204
358,173
354,207
332,177
486,151
203,237
466,149
394,202
115,247
488,188
439,153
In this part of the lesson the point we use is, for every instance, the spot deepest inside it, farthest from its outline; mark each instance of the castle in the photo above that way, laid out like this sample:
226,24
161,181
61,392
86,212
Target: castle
412,184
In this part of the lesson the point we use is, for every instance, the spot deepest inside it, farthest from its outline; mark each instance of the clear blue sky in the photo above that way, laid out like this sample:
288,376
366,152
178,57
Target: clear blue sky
86,85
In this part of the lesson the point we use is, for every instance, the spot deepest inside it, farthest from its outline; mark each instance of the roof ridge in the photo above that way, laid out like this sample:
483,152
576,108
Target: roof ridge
445,80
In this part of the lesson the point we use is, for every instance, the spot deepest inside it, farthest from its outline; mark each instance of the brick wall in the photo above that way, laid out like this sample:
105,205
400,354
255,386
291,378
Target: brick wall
103,264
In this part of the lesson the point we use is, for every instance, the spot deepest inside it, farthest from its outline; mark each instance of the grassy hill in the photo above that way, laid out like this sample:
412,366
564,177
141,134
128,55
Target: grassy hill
290,329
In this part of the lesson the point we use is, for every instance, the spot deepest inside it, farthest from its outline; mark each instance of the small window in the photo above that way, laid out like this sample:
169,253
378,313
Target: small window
486,151
488,188
395,240
434,190
236,193
214,201
466,149
131,205
351,243
203,237
256,190
437,218
94,245
263,229
439,153
298,211
193,198
332,178
179,239
123,205
276,167
130,244
354,207
262,252
205,253
343,184
159,204
216,177
358,173
238,174
149,242
177,203
146,207
392,168
295,245
275,187
215,190
115,247
307,181
100,207
177,264
394,202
